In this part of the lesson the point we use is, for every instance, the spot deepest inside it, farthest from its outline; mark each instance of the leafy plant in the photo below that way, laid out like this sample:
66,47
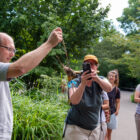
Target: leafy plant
132,98
38,120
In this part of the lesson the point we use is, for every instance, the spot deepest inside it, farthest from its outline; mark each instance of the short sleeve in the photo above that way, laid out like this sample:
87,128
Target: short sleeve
104,95
118,93
74,83
138,88
3,71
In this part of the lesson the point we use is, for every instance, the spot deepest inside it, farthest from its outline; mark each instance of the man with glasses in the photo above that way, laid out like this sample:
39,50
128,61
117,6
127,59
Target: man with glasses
10,70
82,122
9,49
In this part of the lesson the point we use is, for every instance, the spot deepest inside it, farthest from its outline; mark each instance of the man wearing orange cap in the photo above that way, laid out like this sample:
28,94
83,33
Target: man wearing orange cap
82,122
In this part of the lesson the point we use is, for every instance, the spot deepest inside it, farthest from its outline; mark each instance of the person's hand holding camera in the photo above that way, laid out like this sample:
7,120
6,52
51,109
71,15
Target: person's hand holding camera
85,77
94,75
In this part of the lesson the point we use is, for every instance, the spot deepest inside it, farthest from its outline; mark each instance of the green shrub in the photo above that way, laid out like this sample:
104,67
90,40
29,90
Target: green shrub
132,98
34,79
17,86
50,87
39,111
39,120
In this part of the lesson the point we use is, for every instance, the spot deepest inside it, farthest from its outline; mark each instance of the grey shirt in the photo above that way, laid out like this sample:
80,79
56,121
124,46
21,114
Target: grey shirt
6,111
104,97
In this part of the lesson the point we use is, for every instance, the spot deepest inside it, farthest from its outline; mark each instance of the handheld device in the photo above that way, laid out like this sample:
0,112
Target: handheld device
86,66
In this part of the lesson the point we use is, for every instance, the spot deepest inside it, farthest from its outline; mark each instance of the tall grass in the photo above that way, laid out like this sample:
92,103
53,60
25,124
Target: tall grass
39,114
38,120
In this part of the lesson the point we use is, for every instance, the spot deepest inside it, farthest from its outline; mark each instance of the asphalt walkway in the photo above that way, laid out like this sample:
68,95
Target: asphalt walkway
126,123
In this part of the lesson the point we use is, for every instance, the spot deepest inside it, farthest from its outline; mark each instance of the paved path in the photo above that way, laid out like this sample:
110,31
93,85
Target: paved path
126,123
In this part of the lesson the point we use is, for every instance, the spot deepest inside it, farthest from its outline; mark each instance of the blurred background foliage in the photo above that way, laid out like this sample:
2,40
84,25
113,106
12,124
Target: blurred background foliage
86,30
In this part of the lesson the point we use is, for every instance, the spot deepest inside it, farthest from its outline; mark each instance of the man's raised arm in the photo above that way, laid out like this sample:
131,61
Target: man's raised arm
30,60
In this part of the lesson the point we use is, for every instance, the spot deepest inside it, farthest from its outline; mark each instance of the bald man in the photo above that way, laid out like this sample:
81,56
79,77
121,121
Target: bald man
11,70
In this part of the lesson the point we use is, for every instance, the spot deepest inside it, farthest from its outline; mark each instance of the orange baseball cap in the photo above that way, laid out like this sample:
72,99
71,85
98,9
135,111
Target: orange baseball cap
91,57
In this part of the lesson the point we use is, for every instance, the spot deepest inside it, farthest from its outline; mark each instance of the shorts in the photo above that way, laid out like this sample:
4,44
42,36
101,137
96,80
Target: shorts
103,132
74,132
112,124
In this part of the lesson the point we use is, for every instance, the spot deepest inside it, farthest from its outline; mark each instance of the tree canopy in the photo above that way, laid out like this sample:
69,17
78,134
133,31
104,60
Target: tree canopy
85,30
130,19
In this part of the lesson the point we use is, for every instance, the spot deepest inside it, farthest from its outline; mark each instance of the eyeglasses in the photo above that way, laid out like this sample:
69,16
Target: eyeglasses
9,49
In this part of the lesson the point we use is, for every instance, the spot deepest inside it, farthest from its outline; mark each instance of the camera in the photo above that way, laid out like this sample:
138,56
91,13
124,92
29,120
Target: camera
86,66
